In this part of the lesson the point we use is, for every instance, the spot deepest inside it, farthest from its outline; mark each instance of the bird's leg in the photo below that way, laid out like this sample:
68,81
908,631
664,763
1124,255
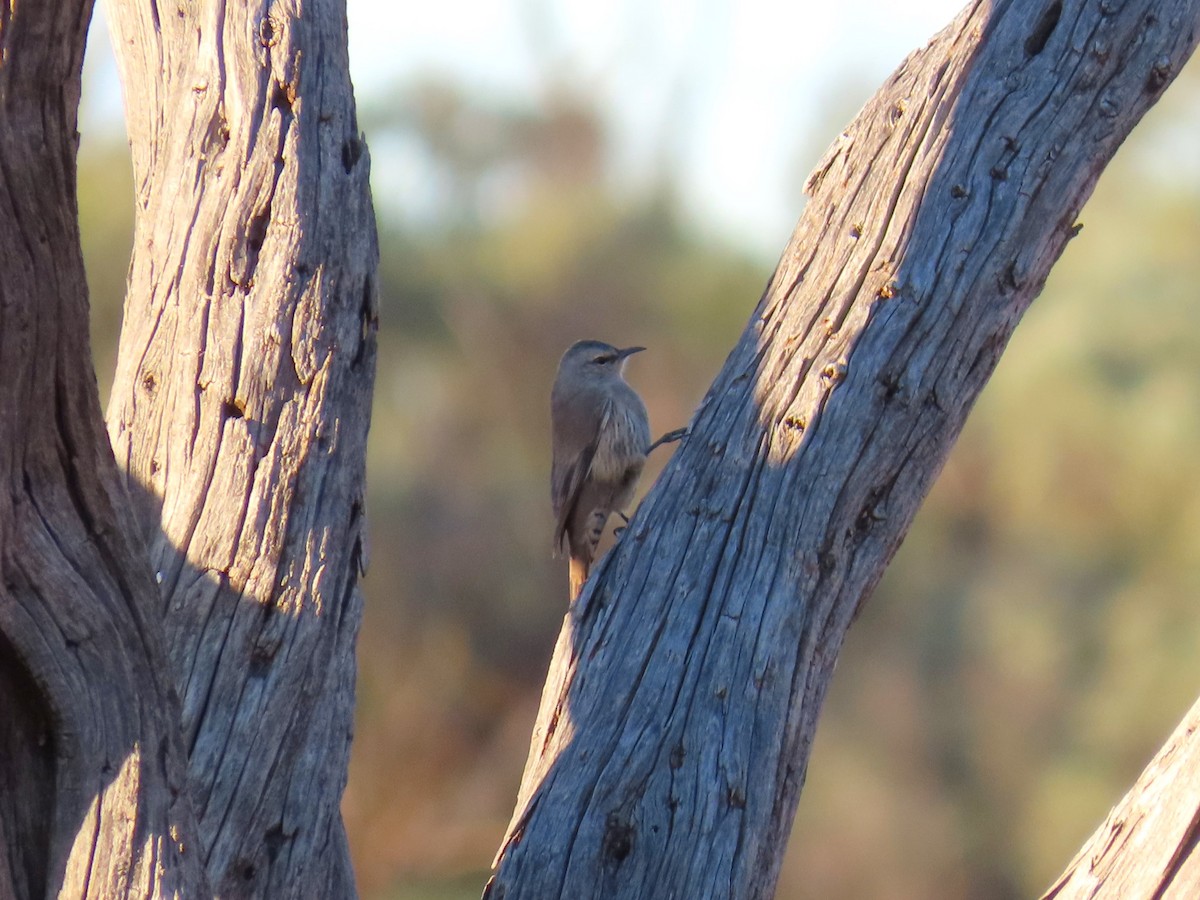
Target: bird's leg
669,438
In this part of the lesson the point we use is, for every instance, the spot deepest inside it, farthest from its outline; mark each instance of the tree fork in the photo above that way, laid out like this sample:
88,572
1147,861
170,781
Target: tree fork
678,714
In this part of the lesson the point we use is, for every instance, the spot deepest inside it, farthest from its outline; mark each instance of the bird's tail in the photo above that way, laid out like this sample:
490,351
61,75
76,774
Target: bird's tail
577,573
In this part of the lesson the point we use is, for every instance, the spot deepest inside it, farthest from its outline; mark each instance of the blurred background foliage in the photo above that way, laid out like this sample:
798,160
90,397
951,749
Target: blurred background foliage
1035,639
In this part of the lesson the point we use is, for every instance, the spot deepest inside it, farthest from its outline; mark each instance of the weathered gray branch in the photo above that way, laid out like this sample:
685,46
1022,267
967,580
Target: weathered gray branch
92,797
240,412
1148,846
675,726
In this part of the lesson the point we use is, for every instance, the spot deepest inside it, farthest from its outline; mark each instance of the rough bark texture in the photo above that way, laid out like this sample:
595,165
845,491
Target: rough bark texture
240,409
675,726
1148,846
92,799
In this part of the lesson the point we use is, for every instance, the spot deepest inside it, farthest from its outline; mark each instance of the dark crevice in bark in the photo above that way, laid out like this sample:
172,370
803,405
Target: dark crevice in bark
1036,42
28,751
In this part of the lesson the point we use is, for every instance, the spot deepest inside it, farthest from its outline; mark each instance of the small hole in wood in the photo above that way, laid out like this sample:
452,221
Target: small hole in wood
351,154
618,838
257,232
1036,42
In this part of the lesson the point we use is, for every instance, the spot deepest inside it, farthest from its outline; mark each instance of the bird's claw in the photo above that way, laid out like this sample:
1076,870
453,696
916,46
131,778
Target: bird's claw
670,437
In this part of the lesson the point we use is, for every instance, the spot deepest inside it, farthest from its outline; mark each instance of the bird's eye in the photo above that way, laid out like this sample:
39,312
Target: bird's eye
604,359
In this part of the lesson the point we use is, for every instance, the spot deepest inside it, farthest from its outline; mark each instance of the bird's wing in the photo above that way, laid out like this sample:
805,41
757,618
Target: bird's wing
573,465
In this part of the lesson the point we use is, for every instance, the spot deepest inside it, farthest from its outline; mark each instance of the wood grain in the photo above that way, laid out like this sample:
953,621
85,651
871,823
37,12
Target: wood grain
240,410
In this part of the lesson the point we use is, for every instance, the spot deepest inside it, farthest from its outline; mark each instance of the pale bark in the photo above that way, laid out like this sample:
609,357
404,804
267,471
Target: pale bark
240,410
92,798
1147,847
673,737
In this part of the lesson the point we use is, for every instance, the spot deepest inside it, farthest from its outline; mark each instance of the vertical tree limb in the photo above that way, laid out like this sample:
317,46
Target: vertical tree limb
240,410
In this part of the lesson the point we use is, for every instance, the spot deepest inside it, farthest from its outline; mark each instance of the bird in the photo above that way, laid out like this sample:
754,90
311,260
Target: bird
600,436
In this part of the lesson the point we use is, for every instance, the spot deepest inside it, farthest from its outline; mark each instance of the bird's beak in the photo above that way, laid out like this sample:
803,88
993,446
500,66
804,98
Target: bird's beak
629,351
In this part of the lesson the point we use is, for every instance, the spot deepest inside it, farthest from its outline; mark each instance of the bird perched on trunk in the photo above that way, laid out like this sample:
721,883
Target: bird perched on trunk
601,435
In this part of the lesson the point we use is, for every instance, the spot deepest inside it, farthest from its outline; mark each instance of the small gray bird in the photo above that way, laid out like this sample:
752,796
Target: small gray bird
601,436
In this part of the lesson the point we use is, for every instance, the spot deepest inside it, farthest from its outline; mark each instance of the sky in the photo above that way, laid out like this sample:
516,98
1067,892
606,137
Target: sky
738,97
731,88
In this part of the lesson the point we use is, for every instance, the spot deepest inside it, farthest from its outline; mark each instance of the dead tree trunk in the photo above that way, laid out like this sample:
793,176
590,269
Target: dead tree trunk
240,409
674,732
239,419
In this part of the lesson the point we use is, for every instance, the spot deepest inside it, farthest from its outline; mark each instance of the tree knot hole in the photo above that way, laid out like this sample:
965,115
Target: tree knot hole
675,760
1109,106
735,797
261,658
245,870
368,320
233,409
618,837
1160,74
352,150
1036,42
282,97
890,383
257,232
266,32
869,515
275,838
836,371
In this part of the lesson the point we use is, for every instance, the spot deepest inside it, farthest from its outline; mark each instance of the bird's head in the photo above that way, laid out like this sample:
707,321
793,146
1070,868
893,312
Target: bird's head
596,359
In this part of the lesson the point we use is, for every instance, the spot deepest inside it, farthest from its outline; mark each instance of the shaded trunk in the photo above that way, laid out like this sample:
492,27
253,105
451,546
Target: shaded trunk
92,798
673,737
240,409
